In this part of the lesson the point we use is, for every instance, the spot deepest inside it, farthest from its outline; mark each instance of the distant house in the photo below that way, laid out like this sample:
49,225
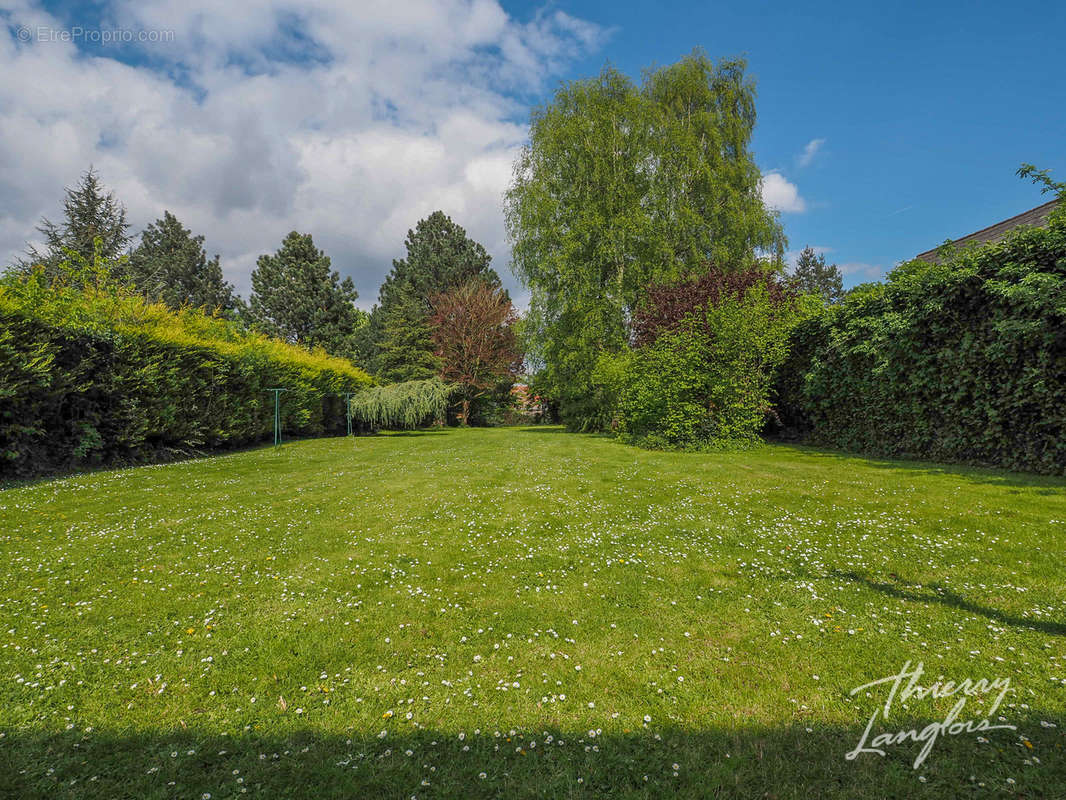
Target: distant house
1036,217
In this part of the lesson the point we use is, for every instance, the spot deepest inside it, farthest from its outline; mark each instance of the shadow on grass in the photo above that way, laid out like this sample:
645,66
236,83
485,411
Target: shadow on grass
1032,482
799,761
937,593
170,456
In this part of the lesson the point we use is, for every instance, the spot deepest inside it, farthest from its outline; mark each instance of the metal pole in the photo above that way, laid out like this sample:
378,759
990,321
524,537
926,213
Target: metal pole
277,415
348,411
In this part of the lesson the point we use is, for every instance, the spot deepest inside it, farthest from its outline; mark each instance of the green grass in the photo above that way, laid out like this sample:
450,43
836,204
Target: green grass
524,613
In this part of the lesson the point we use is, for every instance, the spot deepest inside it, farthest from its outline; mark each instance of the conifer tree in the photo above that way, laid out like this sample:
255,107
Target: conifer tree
170,265
814,276
89,213
440,256
298,298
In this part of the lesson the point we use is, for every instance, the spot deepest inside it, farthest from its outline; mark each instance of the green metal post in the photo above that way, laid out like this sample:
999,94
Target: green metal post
277,415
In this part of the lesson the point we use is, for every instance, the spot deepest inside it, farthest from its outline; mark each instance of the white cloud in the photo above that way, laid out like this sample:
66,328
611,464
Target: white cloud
810,151
861,272
780,195
348,121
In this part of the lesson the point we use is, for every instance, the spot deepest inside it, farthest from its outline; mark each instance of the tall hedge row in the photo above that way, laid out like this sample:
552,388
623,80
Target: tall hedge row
97,375
962,360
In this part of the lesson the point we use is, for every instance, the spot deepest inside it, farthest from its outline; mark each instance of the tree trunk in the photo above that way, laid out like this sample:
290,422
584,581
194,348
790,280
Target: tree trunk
466,411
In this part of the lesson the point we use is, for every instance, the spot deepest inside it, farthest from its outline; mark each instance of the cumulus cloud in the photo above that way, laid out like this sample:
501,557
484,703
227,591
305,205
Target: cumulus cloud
780,195
252,118
810,151
861,272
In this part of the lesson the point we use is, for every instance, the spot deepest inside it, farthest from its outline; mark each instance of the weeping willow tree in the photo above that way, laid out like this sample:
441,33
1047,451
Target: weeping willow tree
410,404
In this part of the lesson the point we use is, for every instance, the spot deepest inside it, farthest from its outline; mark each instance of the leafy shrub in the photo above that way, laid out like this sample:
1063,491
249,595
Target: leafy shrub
700,374
962,360
406,405
98,375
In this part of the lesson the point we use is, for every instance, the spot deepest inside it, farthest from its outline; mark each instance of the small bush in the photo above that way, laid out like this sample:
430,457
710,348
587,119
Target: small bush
701,373
403,406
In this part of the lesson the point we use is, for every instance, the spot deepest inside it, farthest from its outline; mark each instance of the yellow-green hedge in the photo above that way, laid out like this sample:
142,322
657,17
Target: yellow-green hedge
98,375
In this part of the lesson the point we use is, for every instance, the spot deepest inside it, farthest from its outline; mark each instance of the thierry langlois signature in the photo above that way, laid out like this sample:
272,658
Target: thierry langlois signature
904,686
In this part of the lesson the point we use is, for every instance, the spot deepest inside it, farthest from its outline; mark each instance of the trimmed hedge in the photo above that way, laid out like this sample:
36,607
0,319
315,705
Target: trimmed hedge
98,375
961,361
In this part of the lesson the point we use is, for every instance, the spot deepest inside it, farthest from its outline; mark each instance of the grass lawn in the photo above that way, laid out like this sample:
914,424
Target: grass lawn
527,613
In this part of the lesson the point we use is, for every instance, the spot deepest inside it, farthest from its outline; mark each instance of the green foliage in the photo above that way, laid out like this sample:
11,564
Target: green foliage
296,297
622,186
1043,179
171,266
962,360
704,384
814,276
440,256
404,349
92,221
403,406
91,372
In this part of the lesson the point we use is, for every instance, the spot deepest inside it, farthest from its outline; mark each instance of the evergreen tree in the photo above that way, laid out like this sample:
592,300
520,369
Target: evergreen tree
440,256
298,298
88,214
814,276
406,345
170,265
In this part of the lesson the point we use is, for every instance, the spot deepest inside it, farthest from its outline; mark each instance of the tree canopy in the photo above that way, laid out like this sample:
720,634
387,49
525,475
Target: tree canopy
814,276
473,332
298,298
170,265
89,214
440,256
621,186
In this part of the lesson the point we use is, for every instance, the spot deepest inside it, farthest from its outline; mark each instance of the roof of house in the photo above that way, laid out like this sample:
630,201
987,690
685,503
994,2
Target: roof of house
993,233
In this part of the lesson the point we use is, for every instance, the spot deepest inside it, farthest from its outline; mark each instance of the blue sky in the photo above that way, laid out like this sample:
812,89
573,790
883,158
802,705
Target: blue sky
923,111
882,130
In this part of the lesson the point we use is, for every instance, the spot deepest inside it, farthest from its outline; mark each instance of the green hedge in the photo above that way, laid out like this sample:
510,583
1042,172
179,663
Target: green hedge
962,361
98,375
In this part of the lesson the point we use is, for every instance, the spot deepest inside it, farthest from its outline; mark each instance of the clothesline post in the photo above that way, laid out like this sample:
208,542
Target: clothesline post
277,415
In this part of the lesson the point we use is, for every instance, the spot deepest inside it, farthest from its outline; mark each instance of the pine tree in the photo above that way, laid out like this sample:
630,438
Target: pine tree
170,265
298,298
813,276
88,214
440,256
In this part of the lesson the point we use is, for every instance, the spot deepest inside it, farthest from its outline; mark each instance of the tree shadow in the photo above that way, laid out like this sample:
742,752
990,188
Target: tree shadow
169,457
543,429
938,593
1032,483
731,758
